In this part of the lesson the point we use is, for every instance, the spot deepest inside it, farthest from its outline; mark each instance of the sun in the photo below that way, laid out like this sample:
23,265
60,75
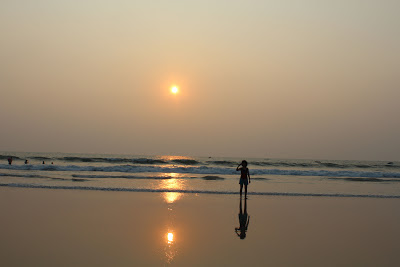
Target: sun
174,89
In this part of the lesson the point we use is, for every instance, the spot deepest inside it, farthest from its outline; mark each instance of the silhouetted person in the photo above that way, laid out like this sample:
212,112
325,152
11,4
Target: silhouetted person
43,162
244,173
10,160
26,161
244,220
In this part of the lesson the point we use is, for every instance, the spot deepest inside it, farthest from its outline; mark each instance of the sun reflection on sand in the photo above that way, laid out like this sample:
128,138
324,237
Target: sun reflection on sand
170,238
173,183
171,197
170,248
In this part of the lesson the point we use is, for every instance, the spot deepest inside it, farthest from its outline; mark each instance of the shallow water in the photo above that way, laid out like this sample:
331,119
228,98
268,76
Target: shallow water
200,175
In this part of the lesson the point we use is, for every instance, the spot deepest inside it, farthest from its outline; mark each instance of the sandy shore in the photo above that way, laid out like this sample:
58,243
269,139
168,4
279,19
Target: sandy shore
41,227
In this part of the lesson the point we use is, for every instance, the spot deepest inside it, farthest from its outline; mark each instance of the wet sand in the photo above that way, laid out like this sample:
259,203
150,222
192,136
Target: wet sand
42,227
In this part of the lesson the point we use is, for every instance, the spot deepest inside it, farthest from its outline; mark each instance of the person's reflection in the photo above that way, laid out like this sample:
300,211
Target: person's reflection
244,220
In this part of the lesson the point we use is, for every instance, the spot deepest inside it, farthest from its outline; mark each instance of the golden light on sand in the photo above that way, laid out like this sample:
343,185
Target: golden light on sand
174,89
170,248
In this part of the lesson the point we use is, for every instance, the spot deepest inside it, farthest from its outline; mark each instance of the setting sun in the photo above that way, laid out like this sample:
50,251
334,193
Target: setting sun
174,89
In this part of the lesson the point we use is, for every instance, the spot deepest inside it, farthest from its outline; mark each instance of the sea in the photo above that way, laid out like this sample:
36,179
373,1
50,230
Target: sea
200,175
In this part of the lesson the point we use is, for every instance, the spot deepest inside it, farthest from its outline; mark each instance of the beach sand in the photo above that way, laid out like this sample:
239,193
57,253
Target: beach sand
42,227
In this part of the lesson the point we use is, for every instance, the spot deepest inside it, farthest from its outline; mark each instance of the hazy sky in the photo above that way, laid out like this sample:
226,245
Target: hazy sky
281,79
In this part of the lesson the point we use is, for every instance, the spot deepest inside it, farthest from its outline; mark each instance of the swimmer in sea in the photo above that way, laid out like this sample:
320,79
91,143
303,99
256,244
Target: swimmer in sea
244,174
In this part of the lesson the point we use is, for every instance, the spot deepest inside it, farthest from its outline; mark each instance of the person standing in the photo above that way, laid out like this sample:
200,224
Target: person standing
244,174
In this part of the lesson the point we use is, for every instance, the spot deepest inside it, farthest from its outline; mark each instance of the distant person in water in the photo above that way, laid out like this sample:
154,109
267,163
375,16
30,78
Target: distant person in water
244,220
26,161
43,162
10,160
244,174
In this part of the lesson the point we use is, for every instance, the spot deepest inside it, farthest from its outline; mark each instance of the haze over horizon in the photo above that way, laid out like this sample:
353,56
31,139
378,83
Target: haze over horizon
299,79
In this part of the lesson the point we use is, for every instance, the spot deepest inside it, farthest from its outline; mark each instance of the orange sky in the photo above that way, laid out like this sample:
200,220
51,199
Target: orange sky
300,79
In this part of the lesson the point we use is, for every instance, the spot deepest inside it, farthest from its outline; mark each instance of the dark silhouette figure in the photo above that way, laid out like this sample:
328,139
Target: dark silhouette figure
26,161
10,159
43,162
244,220
244,174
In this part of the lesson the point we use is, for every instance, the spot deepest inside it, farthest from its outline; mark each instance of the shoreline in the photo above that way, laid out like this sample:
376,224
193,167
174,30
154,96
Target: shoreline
182,191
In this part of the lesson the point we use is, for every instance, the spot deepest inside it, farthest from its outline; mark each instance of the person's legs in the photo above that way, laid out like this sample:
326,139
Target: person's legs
241,188
245,190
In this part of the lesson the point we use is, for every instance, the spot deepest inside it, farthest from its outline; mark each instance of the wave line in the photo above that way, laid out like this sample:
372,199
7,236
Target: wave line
113,189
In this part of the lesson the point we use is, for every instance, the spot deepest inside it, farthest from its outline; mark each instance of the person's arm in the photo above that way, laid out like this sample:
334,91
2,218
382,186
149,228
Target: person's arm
248,174
237,168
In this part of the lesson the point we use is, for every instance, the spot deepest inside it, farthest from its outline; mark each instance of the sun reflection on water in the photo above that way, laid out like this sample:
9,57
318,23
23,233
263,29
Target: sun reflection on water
172,184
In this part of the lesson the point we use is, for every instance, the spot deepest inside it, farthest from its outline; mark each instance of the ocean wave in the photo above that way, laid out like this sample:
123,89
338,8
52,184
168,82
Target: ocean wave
283,164
122,176
223,162
23,175
40,158
119,189
5,157
319,164
360,179
148,161
212,177
268,163
202,170
185,161
80,159
95,159
334,165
